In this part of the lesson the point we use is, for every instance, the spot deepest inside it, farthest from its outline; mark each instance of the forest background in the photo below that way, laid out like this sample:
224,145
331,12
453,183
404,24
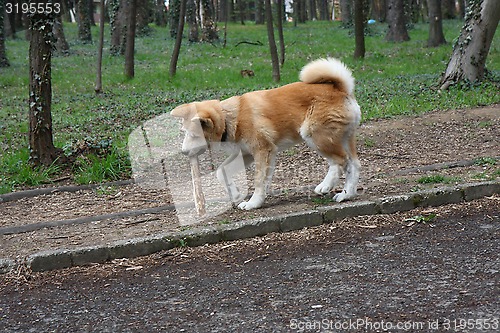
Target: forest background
223,54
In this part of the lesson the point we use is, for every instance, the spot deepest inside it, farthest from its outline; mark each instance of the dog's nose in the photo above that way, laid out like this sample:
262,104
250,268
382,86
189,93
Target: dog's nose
185,152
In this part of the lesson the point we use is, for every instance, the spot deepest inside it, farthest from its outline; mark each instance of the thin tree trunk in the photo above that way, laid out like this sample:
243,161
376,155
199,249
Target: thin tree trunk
130,45
359,29
436,35
279,22
178,40
98,83
468,60
272,41
41,144
4,62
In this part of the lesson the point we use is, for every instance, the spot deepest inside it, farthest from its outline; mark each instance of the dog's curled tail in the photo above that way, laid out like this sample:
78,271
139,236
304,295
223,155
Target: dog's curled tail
329,70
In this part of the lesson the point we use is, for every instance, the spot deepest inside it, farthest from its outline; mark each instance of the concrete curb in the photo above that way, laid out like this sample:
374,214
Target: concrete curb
58,259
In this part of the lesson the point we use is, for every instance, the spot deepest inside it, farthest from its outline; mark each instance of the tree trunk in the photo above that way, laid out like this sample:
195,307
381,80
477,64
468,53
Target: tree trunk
192,21
178,40
98,83
84,21
436,35
313,16
359,29
160,14
42,149
448,9
259,12
323,10
116,25
397,24
279,23
174,14
378,10
461,8
61,45
4,62
346,13
130,45
468,59
272,42
208,25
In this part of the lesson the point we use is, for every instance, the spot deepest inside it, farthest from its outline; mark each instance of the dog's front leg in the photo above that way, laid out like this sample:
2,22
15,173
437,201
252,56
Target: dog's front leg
226,172
264,168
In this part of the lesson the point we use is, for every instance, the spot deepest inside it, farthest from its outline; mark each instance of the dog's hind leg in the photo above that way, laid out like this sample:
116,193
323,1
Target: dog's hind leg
331,178
351,172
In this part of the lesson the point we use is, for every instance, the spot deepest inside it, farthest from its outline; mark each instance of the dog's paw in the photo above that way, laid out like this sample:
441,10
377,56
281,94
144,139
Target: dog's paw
247,205
339,197
322,189
250,204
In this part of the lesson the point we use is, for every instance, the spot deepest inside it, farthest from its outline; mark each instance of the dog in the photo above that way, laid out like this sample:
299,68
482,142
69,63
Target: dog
320,109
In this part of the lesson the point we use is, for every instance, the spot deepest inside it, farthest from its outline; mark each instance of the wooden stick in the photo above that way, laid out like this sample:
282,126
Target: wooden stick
199,198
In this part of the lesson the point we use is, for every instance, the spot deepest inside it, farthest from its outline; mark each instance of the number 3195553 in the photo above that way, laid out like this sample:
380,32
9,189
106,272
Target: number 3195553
33,8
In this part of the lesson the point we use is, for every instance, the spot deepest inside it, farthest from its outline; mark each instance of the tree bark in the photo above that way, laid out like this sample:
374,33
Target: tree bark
378,10
160,14
272,41
4,62
98,83
208,25
359,29
192,21
468,59
178,40
84,21
279,23
436,35
130,45
61,44
174,14
346,13
397,23
448,9
42,149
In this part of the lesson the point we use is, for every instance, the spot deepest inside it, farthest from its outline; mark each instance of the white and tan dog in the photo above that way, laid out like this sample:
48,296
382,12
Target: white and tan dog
321,110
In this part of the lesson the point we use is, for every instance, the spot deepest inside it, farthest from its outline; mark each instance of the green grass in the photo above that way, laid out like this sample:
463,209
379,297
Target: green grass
437,179
393,79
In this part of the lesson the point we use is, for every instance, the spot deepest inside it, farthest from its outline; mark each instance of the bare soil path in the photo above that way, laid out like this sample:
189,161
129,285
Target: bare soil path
435,276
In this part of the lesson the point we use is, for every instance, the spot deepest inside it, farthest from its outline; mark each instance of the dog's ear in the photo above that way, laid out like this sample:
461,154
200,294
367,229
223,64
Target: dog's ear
206,123
182,111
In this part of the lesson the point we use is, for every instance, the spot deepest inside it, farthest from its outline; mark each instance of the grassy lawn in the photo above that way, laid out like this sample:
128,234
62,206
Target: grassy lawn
393,79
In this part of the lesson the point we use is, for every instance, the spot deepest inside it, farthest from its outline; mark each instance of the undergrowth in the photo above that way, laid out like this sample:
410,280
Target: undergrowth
394,79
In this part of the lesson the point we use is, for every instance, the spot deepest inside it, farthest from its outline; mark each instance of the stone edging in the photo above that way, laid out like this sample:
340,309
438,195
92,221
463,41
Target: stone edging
58,259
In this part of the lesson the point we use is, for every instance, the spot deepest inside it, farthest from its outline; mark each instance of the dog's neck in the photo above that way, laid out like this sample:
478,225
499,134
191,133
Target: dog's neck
224,134
230,108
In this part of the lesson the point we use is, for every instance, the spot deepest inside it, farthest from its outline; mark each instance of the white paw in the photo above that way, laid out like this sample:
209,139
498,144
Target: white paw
341,196
322,189
250,204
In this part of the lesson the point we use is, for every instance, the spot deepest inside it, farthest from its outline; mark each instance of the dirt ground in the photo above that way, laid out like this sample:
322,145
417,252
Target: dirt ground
348,276
457,145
